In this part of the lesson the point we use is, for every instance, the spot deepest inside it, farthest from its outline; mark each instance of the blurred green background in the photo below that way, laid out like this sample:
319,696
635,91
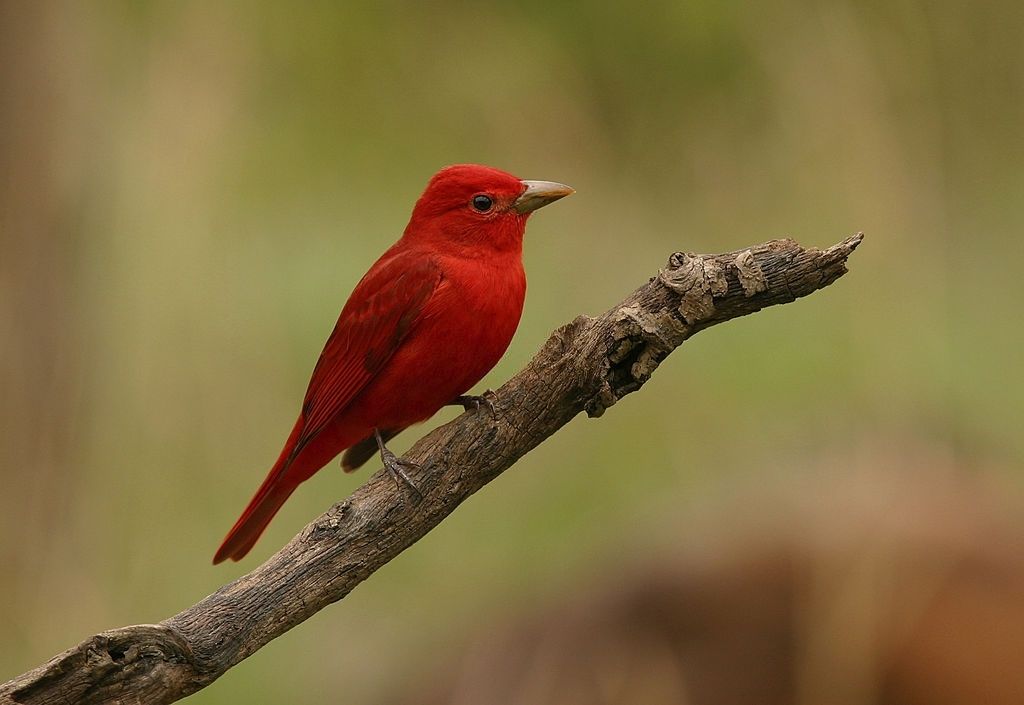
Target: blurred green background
191,189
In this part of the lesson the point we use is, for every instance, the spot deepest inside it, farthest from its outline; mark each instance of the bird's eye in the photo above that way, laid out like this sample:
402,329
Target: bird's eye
482,203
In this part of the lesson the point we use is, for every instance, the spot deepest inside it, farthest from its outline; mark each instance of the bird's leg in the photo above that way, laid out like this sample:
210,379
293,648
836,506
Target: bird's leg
474,402
396,466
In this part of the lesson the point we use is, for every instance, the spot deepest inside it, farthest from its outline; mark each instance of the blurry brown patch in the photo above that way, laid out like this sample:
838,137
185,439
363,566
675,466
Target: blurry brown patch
895,579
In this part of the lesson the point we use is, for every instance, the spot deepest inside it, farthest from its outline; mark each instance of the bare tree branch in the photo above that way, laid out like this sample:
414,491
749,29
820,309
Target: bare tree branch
586,365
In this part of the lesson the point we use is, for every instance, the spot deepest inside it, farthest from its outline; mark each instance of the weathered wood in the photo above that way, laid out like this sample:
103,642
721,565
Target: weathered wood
587,365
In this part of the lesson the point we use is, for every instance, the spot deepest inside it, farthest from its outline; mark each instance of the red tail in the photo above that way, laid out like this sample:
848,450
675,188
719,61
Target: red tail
269,498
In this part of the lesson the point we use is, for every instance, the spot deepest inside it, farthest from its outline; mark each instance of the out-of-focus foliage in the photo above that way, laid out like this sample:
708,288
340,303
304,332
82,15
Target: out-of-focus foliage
190,190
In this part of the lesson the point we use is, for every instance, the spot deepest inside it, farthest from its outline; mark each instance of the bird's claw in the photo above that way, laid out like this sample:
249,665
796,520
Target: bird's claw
472,402
396,467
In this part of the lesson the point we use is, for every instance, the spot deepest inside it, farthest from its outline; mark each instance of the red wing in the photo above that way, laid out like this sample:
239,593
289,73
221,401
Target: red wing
381,311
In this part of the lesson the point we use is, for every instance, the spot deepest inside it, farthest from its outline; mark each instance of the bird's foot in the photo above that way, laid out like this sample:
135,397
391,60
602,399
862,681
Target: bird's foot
472,402
396,467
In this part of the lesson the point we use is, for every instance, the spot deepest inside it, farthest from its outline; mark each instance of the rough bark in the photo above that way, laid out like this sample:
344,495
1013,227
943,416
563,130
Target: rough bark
586,365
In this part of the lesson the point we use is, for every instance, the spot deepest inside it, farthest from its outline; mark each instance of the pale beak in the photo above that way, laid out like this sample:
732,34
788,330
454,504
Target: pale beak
540,193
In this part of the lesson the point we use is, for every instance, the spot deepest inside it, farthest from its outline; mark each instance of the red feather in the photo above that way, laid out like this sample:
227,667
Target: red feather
382,310
377,317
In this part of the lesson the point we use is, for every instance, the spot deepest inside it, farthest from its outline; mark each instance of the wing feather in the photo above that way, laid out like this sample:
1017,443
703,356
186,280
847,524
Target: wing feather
382,310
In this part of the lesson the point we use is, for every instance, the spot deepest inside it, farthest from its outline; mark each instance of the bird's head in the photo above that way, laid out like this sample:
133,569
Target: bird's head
478,208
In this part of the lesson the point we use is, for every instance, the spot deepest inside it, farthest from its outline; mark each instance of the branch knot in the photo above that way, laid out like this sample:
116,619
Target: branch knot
698,280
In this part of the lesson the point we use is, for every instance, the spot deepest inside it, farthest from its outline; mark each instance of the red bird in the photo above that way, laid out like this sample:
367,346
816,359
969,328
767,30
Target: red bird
432,316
